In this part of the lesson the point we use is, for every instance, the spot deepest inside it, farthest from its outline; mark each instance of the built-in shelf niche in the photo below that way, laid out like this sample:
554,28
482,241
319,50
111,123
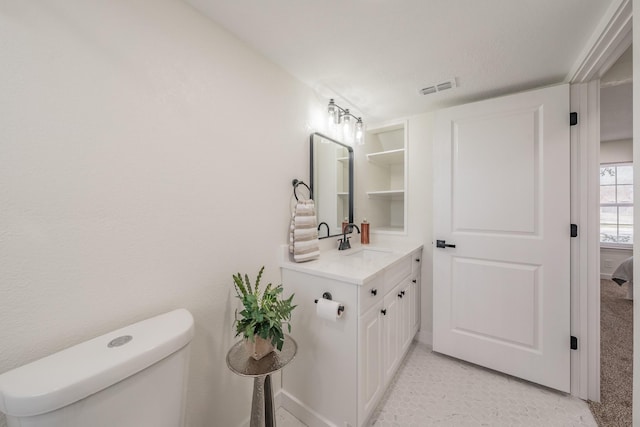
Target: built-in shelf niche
382,176
342,187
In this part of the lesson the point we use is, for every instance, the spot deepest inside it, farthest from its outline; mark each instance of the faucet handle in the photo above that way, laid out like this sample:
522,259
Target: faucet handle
344,244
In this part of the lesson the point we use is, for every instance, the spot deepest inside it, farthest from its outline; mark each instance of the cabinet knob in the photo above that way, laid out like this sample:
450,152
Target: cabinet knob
383,311
374,292
400,295
402,292
415,280
417,259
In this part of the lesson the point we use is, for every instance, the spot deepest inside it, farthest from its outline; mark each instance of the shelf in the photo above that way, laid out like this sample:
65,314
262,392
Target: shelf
343,159
342,194
386,158
387,194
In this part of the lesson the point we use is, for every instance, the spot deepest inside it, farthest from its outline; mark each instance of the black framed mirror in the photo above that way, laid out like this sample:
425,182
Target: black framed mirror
331,183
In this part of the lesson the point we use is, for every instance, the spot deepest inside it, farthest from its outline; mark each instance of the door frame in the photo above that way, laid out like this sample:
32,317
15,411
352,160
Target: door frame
610,39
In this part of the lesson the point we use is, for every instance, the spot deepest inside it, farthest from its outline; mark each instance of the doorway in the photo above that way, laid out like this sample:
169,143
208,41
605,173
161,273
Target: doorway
616,244
612,39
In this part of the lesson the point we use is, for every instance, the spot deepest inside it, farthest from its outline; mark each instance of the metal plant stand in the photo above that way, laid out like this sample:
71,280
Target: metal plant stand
241,363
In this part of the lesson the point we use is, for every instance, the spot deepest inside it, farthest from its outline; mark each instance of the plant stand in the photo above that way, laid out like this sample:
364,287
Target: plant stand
241,363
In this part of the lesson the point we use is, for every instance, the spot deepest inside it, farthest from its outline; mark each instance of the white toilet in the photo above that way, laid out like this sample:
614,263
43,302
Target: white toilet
133,377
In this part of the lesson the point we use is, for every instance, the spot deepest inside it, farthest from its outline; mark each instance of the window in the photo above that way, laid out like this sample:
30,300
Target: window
616,204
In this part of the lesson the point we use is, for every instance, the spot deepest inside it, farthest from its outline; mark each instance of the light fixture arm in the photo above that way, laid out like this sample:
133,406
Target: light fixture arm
342,117
343,111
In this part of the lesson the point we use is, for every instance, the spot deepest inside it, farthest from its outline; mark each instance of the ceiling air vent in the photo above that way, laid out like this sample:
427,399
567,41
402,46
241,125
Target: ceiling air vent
449,84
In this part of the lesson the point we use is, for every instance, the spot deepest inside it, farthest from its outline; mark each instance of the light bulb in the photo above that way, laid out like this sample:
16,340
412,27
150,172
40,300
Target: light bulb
333,118
359,131
347,127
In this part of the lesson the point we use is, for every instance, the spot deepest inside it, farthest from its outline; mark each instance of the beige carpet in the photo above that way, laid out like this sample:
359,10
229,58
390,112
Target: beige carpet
616,355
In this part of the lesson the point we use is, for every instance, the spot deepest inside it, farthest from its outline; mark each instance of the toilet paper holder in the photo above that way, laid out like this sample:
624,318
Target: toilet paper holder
328,296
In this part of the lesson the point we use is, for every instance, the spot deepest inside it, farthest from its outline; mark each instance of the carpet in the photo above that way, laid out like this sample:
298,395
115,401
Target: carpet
616,357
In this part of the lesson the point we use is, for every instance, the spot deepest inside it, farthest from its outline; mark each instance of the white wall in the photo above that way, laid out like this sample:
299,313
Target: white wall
617,151
146,155
419,209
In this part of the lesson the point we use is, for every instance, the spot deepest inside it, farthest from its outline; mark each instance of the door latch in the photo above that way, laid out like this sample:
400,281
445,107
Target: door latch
443,244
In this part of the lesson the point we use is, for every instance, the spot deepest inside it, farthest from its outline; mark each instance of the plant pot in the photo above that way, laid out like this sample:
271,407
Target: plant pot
259,348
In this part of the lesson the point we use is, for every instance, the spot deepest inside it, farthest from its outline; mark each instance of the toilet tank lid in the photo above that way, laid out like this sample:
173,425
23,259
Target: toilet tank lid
72,374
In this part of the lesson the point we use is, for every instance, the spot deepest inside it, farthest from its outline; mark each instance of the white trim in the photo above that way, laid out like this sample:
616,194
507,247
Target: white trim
610,39
605,276
302,412
585,249
636,255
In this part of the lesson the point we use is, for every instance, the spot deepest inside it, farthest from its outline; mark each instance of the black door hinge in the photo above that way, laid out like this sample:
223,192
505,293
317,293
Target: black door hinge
574,343
574,230
573,119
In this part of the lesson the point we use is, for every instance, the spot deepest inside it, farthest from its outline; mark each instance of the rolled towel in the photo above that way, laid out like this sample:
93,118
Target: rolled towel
303,234
305,222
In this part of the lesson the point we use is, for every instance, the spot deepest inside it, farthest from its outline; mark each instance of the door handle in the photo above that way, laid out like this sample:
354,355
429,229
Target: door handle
443,244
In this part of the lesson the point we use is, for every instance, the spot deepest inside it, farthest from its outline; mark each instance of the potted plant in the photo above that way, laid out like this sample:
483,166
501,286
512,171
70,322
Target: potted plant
260,321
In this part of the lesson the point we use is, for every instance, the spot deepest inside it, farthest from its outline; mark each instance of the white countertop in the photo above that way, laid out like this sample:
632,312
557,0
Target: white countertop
356,265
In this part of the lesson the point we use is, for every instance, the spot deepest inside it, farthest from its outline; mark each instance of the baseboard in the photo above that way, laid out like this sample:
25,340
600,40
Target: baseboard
605,276
302,412
425,338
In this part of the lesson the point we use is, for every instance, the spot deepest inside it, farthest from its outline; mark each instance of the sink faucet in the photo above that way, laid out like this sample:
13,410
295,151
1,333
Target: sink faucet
344,242
327,225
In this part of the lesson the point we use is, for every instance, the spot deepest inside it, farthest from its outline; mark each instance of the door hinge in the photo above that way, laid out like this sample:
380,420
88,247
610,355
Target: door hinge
574,343
574,230
573,119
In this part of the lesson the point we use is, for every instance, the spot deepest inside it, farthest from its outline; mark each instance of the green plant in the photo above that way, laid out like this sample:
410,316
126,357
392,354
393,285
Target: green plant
263,314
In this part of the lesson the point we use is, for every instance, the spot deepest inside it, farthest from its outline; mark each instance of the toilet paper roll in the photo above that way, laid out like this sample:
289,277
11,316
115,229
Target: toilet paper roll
327,309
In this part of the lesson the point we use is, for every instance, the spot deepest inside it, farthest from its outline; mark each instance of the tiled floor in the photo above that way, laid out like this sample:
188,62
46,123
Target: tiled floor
434,390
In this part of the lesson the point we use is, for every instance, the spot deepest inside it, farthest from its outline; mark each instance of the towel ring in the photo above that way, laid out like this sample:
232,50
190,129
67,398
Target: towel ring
295,184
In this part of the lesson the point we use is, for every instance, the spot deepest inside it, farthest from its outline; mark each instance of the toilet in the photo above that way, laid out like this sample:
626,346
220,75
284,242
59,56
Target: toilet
132,377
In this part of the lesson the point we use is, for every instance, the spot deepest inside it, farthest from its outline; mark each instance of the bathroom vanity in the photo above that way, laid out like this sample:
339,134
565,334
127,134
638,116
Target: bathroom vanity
344,365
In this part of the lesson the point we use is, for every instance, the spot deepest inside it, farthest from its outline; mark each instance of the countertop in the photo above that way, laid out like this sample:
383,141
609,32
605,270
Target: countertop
356,265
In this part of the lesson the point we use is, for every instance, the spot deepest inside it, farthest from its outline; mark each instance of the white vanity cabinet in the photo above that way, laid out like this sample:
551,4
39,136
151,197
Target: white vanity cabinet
343,368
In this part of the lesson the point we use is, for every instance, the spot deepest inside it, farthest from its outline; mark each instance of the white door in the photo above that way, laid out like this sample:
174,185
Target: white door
501,196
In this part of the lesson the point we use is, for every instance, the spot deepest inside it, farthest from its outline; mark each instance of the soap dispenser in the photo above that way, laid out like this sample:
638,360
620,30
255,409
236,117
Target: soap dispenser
364,232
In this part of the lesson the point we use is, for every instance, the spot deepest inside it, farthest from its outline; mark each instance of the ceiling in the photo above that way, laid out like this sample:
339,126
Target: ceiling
373,56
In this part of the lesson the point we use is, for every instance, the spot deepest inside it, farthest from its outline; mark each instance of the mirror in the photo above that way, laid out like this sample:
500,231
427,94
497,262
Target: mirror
331,183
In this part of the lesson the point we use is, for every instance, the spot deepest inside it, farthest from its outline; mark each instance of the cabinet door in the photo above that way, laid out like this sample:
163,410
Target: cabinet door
416,273
414,308
390,333
370,361
406,302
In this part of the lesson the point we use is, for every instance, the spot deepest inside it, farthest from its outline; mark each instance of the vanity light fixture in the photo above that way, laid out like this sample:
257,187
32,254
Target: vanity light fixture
341,124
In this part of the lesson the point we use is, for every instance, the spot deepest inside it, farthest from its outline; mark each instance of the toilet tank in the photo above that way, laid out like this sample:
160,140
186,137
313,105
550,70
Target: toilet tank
132,377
